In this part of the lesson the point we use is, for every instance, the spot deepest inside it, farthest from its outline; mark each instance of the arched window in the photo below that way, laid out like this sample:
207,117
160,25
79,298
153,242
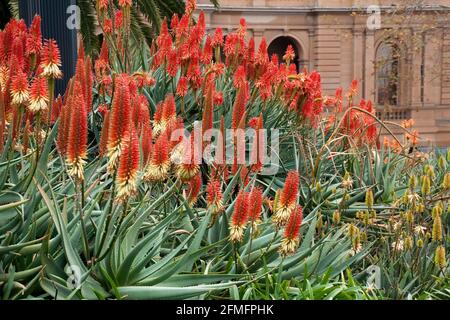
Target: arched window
279,46
387,74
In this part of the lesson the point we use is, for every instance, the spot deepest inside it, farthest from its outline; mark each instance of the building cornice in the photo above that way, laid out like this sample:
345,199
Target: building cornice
297,10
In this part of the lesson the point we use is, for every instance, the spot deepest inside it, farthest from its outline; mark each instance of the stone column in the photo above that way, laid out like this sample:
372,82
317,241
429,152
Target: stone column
311,39
358,59
369,66
414,80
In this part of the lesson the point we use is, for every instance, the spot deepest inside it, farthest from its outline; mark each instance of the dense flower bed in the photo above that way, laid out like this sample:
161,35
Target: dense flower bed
154,170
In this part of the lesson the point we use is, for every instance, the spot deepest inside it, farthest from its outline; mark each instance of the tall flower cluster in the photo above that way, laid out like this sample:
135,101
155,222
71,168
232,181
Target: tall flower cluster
29,65
287,200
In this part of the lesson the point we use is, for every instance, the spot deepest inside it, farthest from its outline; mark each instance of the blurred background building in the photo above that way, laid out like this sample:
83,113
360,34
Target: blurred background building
402,64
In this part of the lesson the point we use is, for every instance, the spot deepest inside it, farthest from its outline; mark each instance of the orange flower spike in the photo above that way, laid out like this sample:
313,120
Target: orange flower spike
34,40
289,56
147,142
63,128
255,204
288,199
19,89
39,95
291,239
189,166
239,106
169,112
258,151
208,108
158,168
182,87
77,140
193,189
51,60
240,217
214,197
120,119
128,167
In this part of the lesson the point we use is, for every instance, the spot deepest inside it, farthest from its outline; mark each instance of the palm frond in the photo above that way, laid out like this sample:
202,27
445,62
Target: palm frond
88,25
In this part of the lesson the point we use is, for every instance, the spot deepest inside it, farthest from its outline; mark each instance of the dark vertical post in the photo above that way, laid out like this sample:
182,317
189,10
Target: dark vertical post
54,26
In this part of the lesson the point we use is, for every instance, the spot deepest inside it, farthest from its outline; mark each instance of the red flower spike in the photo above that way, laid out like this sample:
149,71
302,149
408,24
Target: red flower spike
207,52
289,195
214,198
34,39
147,142
255,204
239,106
240,217
120,118
218,38
158,168
193,189
107,26
77,139
291,239
128,167
288,199
259,146
182,87
174,22
218,98
289,56
208,108
51,60
118,19
169,112
262,57
189,166
38,95
19,89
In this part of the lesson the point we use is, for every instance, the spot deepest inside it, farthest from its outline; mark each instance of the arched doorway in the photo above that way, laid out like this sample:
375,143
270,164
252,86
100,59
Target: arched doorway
279,45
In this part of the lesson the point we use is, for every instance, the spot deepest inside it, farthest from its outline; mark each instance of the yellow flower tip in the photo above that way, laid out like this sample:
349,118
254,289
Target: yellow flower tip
336,217
440,258
187,172
369,199
51,71
237,233
20,97
288,246
157,172
126,188
281,217
436,234
36,105
76,168
426,185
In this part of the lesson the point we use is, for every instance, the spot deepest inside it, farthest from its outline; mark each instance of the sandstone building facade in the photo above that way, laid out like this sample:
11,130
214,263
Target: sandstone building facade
400,54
